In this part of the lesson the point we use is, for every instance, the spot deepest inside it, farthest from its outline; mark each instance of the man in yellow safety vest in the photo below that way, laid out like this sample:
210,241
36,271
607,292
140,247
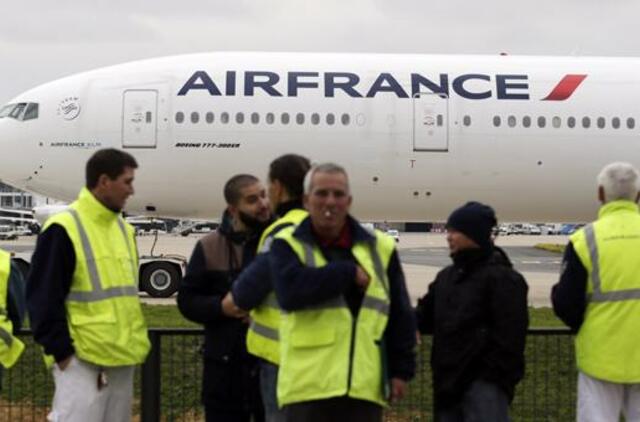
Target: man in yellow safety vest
253,290
598,296
347,329
82,296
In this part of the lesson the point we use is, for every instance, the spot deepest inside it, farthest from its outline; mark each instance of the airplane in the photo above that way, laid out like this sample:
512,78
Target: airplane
418,134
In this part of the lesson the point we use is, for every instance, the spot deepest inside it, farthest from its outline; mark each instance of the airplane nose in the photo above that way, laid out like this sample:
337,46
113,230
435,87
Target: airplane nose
14,154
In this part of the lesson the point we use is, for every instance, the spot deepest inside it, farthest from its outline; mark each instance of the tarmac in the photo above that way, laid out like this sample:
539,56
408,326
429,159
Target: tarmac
422,256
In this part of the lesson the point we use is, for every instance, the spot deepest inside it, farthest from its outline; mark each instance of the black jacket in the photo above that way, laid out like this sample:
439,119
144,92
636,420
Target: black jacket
476,310
230,375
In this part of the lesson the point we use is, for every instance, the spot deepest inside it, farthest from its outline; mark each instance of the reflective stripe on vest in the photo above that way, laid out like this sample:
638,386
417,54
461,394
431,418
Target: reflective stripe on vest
6,337
98,292
598,295
264,331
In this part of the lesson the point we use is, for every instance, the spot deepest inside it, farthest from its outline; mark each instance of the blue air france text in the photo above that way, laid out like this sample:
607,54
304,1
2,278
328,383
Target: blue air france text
472,86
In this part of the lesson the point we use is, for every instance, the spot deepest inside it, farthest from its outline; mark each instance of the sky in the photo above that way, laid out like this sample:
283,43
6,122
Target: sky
43,40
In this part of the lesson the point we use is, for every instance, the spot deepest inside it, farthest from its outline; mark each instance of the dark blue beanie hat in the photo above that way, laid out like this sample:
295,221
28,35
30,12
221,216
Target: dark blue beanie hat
476,221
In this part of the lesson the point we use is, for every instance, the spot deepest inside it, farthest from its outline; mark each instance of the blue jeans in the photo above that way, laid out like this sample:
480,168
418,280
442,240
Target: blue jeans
482,402
268,389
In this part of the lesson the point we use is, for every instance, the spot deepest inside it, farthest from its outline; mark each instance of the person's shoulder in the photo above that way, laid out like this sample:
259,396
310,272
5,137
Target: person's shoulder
500,274
60,219
285,232
212,237
444,273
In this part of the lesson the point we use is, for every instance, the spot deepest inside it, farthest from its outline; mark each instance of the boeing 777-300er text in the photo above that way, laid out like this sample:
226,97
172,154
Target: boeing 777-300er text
419,135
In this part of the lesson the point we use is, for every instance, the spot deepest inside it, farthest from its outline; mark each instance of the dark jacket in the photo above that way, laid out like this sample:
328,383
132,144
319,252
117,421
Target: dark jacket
569,295
230,376
254,284
298,286
16,299
48,283
476,310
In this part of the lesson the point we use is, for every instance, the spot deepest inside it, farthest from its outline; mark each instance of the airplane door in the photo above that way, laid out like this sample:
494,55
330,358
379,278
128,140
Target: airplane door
430,122
139,118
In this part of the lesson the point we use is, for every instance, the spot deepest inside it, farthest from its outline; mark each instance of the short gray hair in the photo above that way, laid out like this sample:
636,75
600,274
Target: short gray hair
619,181
323,168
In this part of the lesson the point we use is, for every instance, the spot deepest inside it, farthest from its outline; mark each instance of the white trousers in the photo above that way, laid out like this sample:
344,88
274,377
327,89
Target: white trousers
77,398
603,401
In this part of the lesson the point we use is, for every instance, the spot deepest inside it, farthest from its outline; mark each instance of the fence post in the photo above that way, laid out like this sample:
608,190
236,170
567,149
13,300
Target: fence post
150,395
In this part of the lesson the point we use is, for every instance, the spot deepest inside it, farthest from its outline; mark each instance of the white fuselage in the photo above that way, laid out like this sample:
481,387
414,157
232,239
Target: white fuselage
417,134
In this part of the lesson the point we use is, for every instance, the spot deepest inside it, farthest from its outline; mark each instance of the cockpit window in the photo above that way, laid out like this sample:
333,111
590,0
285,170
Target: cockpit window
6,110
31,112
16,113
20,111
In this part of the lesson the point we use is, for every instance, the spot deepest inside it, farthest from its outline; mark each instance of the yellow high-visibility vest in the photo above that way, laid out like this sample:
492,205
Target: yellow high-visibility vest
262,337
10,347
324,351
103,310
607,344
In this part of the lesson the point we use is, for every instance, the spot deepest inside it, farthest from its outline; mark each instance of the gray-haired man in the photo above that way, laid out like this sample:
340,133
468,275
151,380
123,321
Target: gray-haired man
598,296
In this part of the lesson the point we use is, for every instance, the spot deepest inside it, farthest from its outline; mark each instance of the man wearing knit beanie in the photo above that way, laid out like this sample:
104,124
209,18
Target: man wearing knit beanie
475,221
476,310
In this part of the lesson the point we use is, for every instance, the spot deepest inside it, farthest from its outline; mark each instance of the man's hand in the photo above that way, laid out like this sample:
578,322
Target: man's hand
230,309
62,365
398,389
362,278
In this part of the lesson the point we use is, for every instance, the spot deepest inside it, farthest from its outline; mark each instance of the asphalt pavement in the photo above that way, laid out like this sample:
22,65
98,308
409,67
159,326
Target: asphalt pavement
422,256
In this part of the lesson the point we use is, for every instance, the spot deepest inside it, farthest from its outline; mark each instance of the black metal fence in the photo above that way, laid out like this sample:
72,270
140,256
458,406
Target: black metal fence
168,385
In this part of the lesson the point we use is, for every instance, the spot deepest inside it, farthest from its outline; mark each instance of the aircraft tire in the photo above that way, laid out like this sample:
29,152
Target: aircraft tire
160,279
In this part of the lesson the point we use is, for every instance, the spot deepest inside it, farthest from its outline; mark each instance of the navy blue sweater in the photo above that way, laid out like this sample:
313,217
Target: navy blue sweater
49,281
569,295
298,286
254,283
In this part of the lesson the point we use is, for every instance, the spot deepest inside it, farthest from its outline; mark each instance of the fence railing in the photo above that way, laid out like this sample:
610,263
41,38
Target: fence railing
168,385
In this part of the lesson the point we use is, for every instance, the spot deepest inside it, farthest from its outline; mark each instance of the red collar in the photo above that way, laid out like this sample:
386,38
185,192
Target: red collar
343,241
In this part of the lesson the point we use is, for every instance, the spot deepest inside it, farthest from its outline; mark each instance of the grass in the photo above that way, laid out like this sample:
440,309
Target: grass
551,247
168,316
547,393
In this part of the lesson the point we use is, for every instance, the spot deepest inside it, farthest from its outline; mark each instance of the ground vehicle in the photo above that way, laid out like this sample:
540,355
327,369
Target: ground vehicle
568,229
531,229
394,233
8,233
196,227
146,226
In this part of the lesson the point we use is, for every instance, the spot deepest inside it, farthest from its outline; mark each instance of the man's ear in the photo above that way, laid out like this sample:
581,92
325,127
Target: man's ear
305,201
277,190
601,197
232,210
103,180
